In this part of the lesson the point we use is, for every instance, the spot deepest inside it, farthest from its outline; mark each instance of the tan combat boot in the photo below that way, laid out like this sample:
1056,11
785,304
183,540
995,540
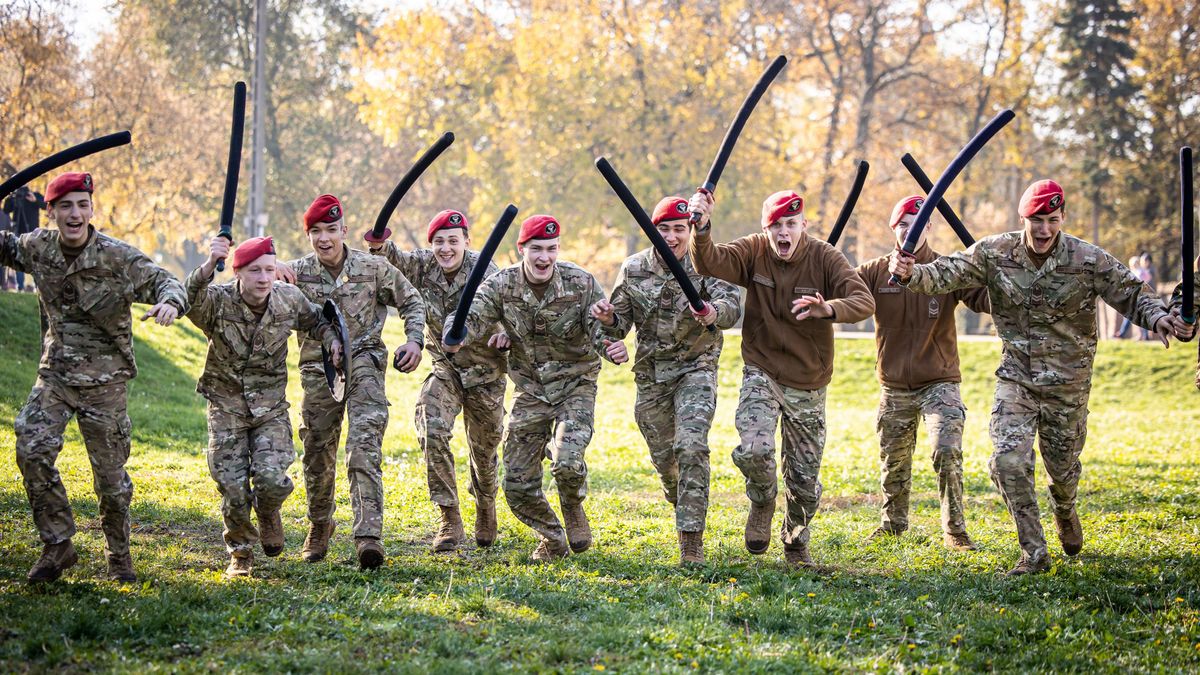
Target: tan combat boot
1070,532
1029,565
958,542
691,548
485,523
797,555
316,545
882,532
547,551
579,531
370,552
270,528
55,559
120,568
758,527
241,564
451,531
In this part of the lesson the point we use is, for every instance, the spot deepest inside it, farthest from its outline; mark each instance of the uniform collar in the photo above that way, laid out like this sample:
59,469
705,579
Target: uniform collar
88,257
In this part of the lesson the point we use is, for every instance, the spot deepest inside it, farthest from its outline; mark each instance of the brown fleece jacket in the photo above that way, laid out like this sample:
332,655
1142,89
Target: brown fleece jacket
796,354
915,335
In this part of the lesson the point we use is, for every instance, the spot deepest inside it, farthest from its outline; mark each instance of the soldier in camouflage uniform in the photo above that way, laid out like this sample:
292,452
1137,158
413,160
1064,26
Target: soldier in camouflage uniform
86,283
1043,285
675,367
472,381
363,286
917,344
247,322
543,306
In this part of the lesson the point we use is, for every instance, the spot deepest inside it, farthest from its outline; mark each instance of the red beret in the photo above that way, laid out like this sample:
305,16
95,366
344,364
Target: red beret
1044,196
904,207
73,181
251,250
447,220
670,208
324,209
781,205
539,227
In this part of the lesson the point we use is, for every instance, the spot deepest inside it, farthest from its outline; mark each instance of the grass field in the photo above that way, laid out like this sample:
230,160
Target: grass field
1130,601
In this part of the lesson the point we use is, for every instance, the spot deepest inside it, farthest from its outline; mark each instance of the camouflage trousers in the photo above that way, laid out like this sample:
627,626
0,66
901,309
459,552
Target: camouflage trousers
442,397
538,430
249,459
105,427
675,417
1058,416
899,411
366,406
762,404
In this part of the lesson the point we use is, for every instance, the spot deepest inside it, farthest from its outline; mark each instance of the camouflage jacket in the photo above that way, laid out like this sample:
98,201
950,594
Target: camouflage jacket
555,341
476,363
364,290
670,342
245,371
1046,318
89,341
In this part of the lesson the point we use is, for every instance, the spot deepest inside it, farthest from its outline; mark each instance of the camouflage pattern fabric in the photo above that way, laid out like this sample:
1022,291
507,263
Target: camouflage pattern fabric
89,339
1177,305
105,427
941,406
441,399
538,430
476,363
556,343
674,417
249,459
670,342
1058,415
764,405
366,413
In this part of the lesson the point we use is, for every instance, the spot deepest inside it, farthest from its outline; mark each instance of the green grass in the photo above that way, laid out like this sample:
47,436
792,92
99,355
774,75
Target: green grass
1129,602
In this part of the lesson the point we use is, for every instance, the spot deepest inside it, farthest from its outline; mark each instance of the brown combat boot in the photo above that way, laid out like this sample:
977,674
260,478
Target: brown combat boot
451,531
958,542
758,527
882,532
797,555
485,523
370,552
1070,532
241,564
270,529
120,568
547,551
1028,565
579,531
55,559
316,545
691,548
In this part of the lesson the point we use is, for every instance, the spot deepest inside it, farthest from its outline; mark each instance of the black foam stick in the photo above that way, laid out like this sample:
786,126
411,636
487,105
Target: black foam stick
234,165
943,206
58,159
458,330
955,167
735,128
406,181
860,177
639,214
1187,222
